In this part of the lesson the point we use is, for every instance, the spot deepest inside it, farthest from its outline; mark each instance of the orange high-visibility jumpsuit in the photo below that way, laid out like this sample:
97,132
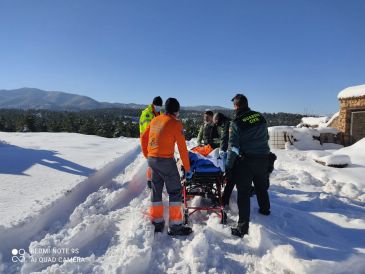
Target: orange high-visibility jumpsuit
158,145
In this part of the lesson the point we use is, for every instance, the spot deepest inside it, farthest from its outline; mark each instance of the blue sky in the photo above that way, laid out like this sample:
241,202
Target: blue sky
285,55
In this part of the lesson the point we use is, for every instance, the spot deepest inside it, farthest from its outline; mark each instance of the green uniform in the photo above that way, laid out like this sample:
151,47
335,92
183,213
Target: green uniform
248,162
209,135
224,133
247,135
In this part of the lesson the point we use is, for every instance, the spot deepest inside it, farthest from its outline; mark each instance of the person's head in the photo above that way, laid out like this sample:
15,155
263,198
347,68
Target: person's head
208,116
157,103
218,118
172,106
240,102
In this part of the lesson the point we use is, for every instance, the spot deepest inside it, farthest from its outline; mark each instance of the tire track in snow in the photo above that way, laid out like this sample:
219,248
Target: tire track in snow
59,211
94,225
132,252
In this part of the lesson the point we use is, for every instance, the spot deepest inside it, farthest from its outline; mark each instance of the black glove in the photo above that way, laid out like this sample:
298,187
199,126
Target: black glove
272,159
228,175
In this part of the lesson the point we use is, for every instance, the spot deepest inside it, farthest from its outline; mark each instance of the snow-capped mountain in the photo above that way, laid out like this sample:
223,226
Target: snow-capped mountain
33,98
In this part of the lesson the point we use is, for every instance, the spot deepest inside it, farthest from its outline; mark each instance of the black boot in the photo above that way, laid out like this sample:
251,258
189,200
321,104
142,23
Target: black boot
149,184
179,230
159,226
240,230
265,212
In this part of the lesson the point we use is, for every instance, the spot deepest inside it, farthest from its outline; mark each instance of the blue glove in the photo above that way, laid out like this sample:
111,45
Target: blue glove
223,155
188,175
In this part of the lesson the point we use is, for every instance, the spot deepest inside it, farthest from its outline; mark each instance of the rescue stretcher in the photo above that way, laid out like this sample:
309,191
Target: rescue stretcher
207,182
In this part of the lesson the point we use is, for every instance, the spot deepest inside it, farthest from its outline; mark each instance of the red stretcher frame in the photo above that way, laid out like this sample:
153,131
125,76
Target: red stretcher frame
216,192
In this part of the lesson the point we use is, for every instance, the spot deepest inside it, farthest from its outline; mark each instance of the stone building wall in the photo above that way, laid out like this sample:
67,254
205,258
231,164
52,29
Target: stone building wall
334,123
347,106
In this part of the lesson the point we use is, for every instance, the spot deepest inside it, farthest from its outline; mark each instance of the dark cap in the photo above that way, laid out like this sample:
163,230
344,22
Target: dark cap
240,100
172,106
157,101
239,97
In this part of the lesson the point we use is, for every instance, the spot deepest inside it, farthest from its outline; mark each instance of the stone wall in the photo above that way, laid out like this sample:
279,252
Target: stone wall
334,123
347,106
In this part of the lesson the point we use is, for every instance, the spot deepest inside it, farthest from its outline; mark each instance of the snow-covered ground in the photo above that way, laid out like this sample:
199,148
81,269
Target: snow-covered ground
48,166
317,223
44,176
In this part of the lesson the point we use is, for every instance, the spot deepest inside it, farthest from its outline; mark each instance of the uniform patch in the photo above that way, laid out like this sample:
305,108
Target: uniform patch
253,118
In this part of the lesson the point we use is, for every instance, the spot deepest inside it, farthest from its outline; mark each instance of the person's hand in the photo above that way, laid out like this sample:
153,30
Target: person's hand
188,175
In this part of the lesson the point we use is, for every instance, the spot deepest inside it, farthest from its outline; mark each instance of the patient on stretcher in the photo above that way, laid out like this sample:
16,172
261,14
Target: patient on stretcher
212,162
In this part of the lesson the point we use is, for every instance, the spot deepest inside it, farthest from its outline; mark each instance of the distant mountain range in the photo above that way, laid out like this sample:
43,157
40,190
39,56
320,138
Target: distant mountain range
33,98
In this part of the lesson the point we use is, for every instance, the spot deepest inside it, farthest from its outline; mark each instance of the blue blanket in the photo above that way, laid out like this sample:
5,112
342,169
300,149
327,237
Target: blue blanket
201,164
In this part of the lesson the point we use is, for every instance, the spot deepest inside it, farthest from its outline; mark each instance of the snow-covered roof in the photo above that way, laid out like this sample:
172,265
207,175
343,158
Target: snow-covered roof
327,130
314,121
332,118
280,129
355,91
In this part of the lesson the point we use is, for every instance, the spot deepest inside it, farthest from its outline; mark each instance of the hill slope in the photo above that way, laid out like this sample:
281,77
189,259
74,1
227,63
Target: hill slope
33,98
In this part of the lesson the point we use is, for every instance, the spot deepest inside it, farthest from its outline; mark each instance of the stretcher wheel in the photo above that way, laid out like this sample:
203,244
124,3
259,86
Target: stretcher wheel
186,216
224,217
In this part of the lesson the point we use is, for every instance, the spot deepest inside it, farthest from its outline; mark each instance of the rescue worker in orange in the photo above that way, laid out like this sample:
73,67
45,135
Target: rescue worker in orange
158,146
150,112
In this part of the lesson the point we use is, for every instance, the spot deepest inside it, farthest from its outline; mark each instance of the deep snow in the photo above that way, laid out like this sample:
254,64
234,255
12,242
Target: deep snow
317,223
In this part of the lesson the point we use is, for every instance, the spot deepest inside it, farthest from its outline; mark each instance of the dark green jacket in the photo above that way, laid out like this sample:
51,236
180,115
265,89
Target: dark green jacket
247,133
208,135
224,133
